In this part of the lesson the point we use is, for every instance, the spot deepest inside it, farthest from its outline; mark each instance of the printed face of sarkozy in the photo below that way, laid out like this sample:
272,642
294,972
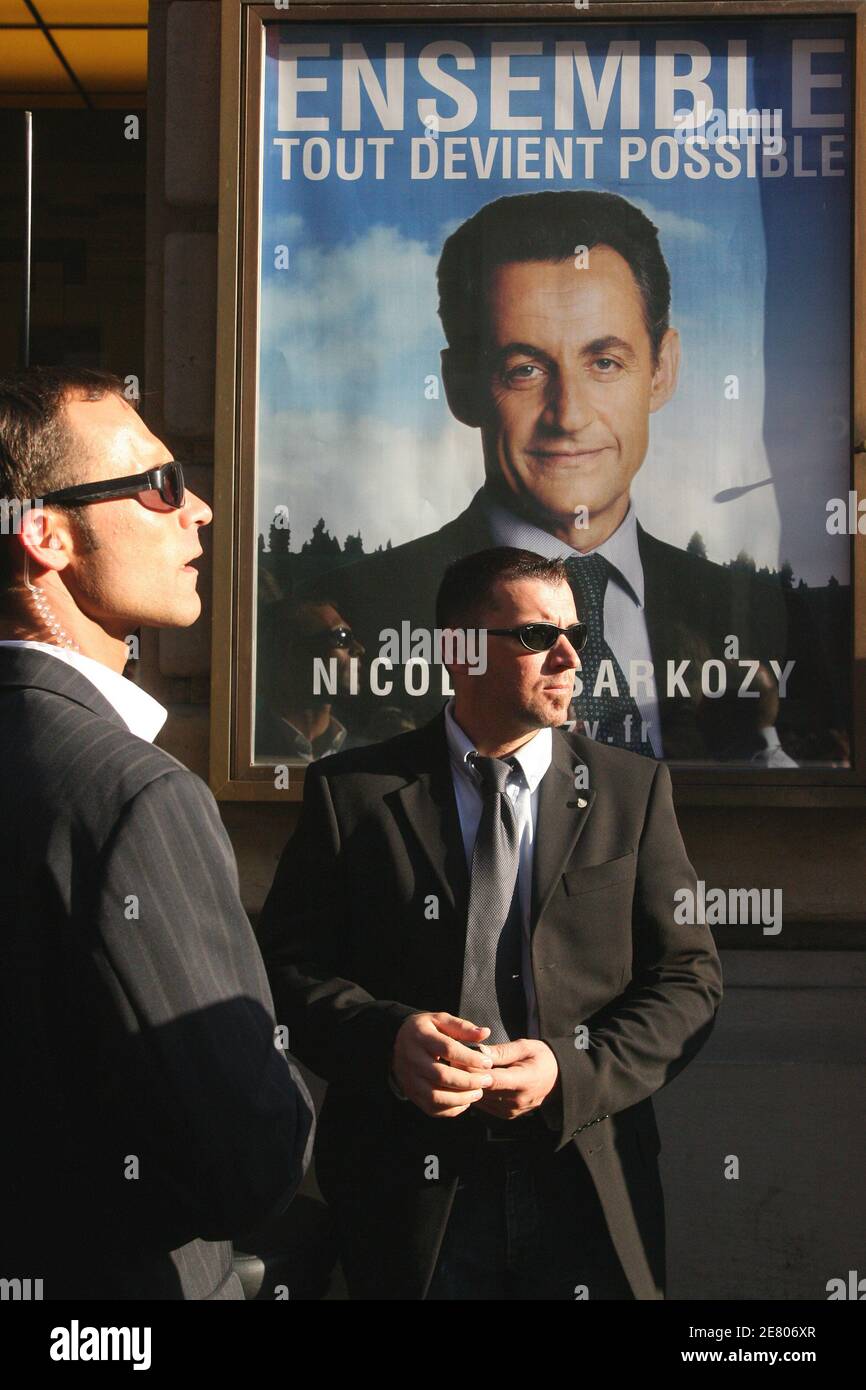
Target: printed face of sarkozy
568,387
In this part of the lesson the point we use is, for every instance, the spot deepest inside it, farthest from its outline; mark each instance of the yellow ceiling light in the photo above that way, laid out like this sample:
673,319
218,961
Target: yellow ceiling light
107,60
28,64
73,53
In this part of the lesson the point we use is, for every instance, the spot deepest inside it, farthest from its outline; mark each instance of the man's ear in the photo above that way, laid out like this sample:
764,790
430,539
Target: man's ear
460,379
666,374
463,650
452,650
45,539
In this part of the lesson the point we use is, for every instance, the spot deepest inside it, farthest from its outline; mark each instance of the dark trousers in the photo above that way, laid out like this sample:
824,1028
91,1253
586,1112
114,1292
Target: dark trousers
527,1224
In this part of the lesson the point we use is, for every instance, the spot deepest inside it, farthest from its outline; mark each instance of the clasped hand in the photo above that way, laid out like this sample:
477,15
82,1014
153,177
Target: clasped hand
442,1076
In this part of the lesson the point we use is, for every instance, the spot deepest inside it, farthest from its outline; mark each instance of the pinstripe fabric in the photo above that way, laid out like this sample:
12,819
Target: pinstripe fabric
141,713
149,1117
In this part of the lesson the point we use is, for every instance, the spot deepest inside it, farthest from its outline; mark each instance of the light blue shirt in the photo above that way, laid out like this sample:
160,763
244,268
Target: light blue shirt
534,759
625,627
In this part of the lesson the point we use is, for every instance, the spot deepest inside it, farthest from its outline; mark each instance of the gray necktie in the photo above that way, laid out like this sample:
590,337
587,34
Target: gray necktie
492,994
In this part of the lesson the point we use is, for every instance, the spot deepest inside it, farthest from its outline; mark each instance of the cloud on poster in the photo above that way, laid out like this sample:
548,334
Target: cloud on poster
344,469
354,327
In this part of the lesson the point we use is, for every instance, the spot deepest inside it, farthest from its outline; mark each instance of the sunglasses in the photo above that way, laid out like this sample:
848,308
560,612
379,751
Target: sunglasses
540,637
161,489
336,637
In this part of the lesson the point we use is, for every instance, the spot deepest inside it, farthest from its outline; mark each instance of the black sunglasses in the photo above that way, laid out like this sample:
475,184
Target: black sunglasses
540,637
334,637
164,482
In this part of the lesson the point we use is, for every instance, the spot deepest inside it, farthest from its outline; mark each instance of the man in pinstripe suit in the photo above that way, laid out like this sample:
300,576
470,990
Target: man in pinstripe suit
151,1114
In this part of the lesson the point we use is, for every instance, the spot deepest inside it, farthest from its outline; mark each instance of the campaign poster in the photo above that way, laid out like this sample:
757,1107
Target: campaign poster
582,289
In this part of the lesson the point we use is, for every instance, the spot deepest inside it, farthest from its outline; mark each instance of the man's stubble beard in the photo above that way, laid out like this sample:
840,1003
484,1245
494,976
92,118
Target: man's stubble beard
541,715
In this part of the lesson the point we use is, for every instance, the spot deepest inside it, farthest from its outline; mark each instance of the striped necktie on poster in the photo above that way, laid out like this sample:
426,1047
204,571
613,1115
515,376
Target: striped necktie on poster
491,993
605,712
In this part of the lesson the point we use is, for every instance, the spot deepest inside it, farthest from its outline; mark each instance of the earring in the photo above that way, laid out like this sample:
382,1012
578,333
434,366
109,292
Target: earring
57,634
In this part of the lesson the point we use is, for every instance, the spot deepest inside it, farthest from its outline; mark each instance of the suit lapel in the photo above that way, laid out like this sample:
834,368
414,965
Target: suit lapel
22,668
563,811
425,810
430,807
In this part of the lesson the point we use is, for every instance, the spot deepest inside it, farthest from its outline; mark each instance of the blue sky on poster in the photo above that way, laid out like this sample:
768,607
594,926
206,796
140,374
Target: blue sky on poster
350,333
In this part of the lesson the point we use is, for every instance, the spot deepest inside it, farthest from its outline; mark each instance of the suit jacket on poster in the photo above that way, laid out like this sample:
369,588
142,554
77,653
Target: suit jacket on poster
148,1117
352,949
692,607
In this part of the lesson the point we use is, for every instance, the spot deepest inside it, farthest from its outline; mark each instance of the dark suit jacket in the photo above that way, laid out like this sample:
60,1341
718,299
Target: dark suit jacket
148,1116
692,607
351,951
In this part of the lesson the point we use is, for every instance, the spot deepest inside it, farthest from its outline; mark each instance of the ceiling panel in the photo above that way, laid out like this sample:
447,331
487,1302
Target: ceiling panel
108,60
28,64
92,11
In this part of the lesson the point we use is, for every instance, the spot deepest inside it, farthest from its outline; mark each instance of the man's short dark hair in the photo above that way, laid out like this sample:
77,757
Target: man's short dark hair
468,584
547,227
36,440
283,622
37,443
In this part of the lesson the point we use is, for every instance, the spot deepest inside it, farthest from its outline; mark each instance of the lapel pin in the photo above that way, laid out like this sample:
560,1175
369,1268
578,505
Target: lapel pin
580,803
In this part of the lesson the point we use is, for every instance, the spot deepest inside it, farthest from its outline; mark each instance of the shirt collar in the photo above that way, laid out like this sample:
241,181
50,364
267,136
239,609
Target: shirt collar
331,741
620,550
141,714
770,737
534,756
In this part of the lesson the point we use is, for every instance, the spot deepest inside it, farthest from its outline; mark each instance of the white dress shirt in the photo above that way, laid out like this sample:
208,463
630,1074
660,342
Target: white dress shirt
331,741
141,714
772,754
625,627
534,759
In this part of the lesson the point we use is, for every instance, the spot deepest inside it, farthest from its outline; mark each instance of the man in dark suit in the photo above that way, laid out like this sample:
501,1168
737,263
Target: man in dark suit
150,1113
492,882
293,719
556,310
